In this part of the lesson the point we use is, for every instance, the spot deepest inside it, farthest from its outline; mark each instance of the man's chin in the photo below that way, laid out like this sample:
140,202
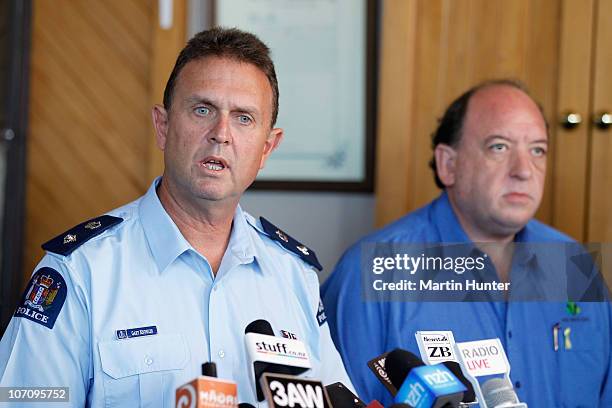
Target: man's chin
514,221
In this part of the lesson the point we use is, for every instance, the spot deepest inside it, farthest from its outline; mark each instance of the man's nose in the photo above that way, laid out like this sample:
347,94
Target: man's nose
522,165
221,132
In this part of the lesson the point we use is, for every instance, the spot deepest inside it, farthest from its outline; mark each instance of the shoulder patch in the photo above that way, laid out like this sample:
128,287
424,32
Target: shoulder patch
321,316
290,244
43,298
70,240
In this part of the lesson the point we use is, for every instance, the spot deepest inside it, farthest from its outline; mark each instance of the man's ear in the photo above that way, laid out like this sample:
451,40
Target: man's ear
446,164
274,139
160,123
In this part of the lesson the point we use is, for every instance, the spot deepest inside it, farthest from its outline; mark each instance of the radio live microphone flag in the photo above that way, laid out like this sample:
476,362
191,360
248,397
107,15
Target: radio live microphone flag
483,358
270,354
207,391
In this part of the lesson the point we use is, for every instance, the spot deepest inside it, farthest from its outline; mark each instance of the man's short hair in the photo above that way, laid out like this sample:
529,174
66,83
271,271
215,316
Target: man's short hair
227,43
450,127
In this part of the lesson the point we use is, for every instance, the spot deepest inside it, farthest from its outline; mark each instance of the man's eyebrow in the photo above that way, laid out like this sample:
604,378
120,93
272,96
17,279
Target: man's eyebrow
195,99
494,136
507,139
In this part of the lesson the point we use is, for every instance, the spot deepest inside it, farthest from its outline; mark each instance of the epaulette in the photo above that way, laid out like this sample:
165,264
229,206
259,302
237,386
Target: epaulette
290,244
70,240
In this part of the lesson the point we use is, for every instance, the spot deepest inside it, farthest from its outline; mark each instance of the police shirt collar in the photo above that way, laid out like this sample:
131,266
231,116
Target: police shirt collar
240,243
165,240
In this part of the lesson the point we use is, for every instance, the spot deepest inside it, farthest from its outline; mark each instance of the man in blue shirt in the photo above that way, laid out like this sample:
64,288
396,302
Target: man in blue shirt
490,160
123,309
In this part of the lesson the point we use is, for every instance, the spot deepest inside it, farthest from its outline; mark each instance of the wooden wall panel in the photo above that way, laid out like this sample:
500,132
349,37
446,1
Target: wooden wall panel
89,129
395,103
458,44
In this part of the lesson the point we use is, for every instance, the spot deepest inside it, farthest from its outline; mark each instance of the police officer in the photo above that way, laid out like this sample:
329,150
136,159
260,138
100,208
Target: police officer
124,308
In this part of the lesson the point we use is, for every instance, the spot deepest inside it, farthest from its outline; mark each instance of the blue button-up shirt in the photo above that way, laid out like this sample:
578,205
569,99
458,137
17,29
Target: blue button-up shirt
576,375
143,273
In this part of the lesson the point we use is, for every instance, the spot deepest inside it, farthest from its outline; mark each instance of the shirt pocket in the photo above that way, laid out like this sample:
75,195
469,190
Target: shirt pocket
134,369
581,365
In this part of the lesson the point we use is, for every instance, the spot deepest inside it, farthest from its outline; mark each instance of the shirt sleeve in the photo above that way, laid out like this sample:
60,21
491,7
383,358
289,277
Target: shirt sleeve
356,326
47,342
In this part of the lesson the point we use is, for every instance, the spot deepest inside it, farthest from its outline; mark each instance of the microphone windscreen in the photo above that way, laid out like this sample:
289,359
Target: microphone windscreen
499,392
209,369
455,368
259,326
399,363
245,405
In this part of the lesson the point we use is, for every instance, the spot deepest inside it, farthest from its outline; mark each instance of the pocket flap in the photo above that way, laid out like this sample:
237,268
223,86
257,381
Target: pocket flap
122,358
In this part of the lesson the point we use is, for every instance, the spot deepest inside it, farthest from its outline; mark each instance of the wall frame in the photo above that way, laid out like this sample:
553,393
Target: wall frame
325,53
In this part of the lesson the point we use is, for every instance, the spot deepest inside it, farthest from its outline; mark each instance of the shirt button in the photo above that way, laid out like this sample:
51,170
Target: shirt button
510,334
148,360
221,353
215,288
517,384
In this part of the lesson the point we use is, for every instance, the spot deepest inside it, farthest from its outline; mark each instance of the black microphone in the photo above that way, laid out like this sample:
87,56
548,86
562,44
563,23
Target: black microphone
455,368
209,369
398,364
245,405
342,397
274,355
259,326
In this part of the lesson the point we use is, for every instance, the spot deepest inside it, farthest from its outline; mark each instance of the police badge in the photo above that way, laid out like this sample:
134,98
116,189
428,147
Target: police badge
43,298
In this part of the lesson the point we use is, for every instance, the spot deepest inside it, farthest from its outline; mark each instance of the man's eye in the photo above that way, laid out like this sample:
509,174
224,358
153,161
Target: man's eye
244,119
202,110
538,151
498,147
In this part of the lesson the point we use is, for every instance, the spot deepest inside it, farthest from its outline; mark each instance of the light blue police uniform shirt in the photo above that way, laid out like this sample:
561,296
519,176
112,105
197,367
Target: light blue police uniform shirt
577,376
142,273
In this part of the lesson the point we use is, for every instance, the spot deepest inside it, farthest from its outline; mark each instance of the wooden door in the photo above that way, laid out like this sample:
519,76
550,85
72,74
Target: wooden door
600,181
433,50
96,68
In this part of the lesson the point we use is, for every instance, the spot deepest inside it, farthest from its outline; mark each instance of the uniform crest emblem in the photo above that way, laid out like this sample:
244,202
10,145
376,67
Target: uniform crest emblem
69,238
303,250
43,298
42,292
93,225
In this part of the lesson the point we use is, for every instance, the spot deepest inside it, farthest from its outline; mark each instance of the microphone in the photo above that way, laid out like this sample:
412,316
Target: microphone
207,391
432,386
289,391
342,397
498,393
270,354
377,365
245,405
469,396
398,363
